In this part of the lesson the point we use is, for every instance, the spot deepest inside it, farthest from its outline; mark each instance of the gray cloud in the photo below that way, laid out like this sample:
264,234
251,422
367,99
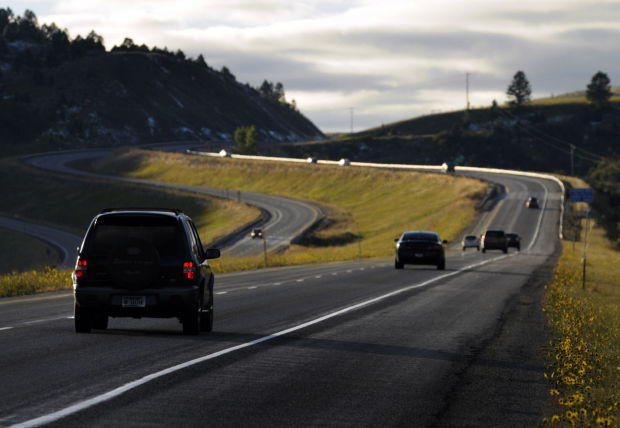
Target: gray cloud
412,62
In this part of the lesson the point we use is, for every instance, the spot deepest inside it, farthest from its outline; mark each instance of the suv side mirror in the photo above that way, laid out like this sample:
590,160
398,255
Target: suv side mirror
212,253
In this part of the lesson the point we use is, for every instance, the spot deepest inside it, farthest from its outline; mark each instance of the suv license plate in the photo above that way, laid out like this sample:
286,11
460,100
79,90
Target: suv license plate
134,301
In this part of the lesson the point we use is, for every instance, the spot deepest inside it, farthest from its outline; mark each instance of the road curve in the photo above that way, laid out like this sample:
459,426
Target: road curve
65,242
285,218
345,344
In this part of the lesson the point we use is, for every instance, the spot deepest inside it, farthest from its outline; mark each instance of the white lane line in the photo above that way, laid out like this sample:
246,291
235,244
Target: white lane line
6,328
116,392
334,273
39,321
252,287
222,292
300,280
318,276
277,283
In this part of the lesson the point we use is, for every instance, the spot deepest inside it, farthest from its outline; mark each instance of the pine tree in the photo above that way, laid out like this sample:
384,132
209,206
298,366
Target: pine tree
599,90
519,89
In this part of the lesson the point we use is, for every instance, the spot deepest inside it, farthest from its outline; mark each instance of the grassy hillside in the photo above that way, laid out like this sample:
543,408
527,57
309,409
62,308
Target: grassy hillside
60,93
367,208
536,137
20,252
70,203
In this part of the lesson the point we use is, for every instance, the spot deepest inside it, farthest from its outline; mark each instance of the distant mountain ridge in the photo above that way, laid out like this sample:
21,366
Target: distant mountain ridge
73,93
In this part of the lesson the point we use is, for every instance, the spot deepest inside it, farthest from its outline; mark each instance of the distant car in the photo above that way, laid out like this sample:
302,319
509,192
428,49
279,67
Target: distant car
344,162
257,232
447,167
420,248
471,241
143,263
494,240
513,241
532,202
310,159
225,153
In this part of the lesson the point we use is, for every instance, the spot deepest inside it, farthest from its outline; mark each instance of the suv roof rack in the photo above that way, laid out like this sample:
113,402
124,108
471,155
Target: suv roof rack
176,211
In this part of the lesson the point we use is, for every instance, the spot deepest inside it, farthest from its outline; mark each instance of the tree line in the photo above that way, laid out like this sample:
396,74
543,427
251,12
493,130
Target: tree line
598,91
48,45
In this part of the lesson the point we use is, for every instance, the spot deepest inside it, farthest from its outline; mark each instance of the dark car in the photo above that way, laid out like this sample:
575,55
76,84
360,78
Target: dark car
494,240
513,241
257,232
143,263
531,202
420,248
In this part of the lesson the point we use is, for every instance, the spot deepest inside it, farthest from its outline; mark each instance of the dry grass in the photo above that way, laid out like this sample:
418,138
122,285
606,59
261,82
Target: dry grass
584,357
31,282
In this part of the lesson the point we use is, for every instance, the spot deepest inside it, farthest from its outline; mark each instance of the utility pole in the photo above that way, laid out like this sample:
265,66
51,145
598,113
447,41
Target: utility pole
351,109
467,89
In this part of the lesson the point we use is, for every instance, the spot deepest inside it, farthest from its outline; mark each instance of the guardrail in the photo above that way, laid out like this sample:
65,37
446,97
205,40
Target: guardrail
429,168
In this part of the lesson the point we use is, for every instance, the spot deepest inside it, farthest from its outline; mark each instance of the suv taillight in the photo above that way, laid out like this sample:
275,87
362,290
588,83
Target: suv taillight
81,268
189,270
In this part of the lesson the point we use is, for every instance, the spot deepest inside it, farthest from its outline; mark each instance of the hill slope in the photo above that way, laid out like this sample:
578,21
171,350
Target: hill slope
536,137
64,93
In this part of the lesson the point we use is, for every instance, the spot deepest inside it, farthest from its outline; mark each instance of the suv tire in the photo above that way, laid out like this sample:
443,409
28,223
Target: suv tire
192,320
206,320
83,319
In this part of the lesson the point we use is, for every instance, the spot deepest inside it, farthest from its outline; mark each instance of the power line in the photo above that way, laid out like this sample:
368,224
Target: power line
594,157
552,141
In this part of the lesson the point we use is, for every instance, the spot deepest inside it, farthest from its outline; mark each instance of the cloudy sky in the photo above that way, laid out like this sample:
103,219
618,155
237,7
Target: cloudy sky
382,60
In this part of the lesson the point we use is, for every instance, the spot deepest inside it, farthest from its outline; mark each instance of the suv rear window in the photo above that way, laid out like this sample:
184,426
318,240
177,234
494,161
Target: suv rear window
163,233
494,234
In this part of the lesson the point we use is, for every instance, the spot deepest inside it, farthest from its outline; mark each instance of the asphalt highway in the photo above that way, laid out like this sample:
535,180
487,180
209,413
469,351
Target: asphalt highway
345,344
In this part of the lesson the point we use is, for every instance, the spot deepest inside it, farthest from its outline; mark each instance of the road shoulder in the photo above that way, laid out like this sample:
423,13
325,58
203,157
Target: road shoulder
504,384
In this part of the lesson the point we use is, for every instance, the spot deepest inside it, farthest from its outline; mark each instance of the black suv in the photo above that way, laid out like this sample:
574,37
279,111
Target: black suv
494,240
514,240
143,263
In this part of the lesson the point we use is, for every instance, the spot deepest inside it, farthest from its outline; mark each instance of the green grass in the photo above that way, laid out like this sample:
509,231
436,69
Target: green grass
584,356
367,208
22,252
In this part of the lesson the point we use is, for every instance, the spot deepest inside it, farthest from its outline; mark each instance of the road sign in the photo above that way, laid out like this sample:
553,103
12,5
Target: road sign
581,195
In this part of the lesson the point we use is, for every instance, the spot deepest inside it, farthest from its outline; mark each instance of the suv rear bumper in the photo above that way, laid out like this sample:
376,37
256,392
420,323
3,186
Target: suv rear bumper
159,302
